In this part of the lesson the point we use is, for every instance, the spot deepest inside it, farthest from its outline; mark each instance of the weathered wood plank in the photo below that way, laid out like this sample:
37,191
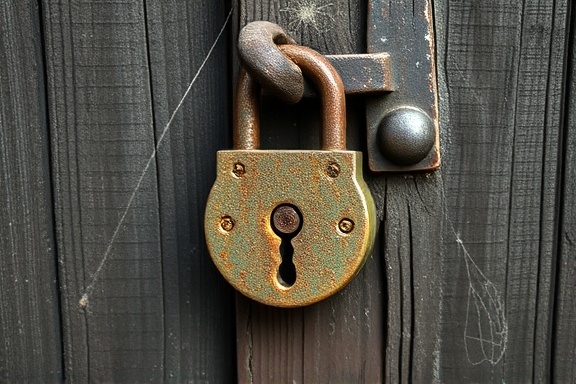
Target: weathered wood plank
199,305
412,229
339,339
501,69
30,347
564,343
106,196
553,157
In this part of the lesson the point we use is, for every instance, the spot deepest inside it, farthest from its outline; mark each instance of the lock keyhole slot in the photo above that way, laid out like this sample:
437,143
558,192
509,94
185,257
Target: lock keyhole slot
286,223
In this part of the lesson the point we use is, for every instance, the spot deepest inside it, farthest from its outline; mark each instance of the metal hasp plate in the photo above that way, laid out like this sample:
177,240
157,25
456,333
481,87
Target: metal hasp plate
403,132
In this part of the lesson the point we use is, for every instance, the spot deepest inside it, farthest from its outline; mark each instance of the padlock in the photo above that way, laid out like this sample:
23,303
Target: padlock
289,228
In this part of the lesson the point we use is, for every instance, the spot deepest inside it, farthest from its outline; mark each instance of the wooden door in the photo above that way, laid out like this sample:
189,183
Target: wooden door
110,116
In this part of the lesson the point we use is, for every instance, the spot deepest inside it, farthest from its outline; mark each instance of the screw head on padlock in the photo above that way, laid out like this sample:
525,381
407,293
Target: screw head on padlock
289,228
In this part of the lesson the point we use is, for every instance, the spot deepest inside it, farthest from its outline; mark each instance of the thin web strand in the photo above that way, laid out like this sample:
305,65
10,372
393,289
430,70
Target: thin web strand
90,287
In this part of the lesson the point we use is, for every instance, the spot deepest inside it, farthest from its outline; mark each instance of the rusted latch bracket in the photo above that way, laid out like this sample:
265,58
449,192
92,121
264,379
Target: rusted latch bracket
403,132
258,48
398,75
363,73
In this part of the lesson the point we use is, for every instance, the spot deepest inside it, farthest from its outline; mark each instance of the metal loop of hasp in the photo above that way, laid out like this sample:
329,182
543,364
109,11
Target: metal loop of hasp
258,47
329,86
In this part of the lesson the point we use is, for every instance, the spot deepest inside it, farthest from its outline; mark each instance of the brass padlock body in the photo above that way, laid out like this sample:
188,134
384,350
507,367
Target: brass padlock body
336,210
247,250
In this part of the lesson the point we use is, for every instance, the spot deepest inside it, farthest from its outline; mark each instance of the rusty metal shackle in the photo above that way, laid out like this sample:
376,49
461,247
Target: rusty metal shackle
258,48
246,124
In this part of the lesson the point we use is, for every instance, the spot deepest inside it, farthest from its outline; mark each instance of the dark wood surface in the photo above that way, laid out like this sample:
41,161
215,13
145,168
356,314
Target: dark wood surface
563,340
104,275
502,68
198,303
30,339
108,232
141,300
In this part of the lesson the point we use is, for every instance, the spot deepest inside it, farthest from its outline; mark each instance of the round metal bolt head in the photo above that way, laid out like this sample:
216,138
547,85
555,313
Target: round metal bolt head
238,169
227,223
406,135
286,219
333,170
346,225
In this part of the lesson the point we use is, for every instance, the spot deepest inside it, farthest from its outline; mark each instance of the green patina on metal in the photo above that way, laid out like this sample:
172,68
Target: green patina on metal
326,259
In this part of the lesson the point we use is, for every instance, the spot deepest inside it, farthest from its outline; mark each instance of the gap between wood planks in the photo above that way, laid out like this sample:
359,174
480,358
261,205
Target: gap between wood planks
84,299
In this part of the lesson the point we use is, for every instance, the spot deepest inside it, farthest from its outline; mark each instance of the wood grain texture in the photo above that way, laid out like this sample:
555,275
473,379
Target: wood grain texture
199,304
501,68
30,346
334,27
411,206
102,130
564,357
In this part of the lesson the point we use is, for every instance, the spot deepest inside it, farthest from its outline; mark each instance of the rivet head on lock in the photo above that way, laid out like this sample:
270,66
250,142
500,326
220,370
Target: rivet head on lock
295,237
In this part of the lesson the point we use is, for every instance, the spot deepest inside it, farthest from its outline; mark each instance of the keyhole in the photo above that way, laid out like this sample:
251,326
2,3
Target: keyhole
286,222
